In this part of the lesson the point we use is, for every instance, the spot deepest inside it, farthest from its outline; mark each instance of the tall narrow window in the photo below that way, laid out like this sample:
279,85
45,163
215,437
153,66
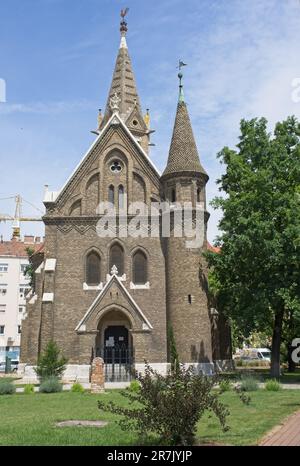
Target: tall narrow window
116,257
173,195
198,194
93,269
140,272
121,197
111,194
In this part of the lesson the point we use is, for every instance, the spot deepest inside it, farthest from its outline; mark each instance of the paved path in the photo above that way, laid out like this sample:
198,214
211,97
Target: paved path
287,434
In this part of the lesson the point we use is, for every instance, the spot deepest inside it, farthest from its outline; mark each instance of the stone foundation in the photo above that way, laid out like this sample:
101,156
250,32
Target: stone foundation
81,372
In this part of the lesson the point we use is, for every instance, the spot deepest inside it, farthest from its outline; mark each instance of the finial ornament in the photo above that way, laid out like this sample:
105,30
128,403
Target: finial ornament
114,102
123,24
180,76
114,270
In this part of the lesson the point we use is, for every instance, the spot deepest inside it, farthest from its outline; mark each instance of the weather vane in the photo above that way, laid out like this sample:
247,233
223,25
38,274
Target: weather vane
123,26
181,64
124,12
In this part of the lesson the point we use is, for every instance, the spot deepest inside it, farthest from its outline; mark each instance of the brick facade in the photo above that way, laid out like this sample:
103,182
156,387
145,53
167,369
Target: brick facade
63,308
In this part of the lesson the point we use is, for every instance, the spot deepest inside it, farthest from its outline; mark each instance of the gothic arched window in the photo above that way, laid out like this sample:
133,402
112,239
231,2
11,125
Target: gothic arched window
111,194
93,269
121,197
140,268
116,257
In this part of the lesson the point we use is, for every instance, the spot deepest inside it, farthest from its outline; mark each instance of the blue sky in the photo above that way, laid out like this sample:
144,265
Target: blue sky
57,58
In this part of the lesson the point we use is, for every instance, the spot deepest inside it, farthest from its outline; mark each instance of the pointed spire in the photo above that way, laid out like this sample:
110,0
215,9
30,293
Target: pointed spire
123,82
183,153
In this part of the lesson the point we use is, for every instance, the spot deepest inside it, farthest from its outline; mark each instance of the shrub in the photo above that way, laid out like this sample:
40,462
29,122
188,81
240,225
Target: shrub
29,389
170,406
249,383
50,363
225,385
51,385
7,388
77,388
134,386
272,385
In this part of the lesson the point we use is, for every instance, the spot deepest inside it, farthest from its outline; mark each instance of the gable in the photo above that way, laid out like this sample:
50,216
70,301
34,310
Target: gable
113,292
84,189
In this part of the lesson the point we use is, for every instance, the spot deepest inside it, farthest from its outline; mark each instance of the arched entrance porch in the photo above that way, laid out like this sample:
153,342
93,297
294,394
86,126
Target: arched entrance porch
114,344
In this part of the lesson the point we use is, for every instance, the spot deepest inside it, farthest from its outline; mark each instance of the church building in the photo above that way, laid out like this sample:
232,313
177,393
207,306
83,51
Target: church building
115,295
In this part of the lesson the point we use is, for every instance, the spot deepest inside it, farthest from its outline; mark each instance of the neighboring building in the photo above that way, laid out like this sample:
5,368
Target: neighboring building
14,285
94,295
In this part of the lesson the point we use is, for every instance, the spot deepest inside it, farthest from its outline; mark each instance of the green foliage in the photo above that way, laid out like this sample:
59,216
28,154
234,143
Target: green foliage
50,362
7,388
225,385
256,276
272,385
134,386
170,406
173,354
29,270
77,388
50,385
249,383
29,389
251,363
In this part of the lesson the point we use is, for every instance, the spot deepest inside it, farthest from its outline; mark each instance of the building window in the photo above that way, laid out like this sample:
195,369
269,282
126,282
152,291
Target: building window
116,167
2,329
3,289
21,309
2,307
93,269
173,195
121,197
19,329
23,290
3,267
116,257
111,194
140,272
23,268
198,194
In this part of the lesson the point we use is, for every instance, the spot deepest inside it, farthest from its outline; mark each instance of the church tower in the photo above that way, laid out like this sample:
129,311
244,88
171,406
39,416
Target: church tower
183,182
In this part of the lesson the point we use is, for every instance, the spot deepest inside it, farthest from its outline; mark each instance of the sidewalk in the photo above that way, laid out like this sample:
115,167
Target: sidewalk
287,434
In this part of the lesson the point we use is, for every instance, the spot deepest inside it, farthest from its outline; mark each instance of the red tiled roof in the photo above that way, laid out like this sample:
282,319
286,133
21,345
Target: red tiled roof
18,248
213,248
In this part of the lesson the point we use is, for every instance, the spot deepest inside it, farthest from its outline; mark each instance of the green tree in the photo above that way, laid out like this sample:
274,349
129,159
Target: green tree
51,363
173,354
258,270
29,270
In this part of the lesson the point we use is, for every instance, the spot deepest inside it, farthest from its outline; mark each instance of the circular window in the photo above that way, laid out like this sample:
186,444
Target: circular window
116,167
135,122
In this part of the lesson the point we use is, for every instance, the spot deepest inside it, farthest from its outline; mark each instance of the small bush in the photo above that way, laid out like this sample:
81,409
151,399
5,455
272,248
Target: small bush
225,385
273,385
7,388
29,389
77,388
51,385
134,386
249,383
51,363
169,406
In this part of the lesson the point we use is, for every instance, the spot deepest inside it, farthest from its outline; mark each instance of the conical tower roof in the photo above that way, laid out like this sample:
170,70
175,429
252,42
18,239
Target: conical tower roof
123,86
183,153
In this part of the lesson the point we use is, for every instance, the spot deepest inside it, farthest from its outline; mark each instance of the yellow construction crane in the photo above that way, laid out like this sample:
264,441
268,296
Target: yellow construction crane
17,218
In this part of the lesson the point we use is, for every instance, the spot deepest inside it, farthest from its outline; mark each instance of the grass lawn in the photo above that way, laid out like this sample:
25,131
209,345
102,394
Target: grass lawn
30,419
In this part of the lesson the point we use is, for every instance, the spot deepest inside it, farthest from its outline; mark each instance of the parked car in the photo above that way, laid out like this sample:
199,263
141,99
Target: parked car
14,364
